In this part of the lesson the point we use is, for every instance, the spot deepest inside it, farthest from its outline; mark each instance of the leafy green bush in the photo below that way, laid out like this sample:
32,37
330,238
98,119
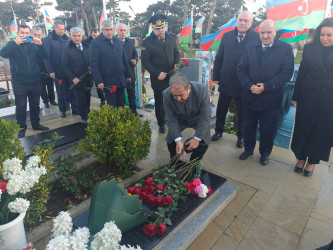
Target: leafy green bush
230,124
117,137
77,184
10,146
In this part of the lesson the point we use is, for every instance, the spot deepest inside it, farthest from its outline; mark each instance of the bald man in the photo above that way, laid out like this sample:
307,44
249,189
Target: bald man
267,64
227,58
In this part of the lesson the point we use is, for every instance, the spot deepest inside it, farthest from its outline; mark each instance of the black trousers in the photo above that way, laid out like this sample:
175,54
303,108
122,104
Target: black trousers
83,97
47,90
130,88
159,108
100,94
62,85
305,156
116,99
197,153
22,93
222,110
267,126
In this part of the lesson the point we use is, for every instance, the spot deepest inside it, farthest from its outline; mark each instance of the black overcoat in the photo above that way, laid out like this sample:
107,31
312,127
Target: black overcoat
227,58
76,63
159,56
313,131
131,53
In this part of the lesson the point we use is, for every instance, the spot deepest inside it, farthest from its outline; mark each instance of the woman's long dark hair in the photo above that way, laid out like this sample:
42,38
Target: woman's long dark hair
327,22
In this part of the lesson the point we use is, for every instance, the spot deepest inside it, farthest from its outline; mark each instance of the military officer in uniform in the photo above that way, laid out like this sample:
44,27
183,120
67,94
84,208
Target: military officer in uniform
160,55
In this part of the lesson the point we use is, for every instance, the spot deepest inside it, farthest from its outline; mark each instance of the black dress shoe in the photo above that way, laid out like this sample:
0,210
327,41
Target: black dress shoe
21,133
54,103
85,120
264,160
68,108
297,169
240,142
162,129
101,104
40,127
244,155
216,136
75,113
307,173
46,105
63,114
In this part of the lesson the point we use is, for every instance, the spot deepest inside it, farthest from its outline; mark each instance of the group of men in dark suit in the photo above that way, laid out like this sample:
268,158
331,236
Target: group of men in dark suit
252,69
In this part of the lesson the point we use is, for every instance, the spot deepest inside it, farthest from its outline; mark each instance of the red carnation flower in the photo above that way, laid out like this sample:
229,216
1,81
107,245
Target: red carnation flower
148,197
3,186
167,200
149,182
142,195
143,189
60,82
150,189
130,190
209,190
185,62
70,177
114,89
67,199
151,201
149,229
160,229
159,187
136,190
159,201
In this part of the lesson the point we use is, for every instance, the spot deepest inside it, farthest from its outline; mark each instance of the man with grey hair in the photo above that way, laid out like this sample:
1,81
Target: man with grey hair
267,64
75,62
55,43
109,66
187,105
230,51
46,82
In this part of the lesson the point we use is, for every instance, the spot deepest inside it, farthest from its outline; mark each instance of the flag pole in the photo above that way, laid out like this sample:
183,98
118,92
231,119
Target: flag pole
328,6
191,30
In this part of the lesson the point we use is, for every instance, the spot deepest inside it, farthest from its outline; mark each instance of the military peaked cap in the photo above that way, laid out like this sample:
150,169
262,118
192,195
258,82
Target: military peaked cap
158,20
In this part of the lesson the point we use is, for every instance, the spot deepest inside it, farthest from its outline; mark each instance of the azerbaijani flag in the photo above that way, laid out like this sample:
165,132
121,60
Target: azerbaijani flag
296,14
6,35
128,31
291,36
185,34
47,17
198,26
331,12
103,17
150,29
81,28
12,27
212,41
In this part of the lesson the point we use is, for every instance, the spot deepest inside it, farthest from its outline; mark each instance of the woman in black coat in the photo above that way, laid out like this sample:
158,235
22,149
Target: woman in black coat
313,132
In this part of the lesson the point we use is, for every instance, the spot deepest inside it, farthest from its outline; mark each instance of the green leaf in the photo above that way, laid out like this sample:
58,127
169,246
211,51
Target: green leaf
167,221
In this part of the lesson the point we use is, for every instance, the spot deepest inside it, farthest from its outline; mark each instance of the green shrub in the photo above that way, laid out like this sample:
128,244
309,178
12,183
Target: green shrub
10,146
71,181
117,137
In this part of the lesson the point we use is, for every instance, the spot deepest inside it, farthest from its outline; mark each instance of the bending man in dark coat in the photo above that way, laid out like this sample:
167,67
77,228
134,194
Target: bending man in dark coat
313,132
132,58
109,66
187,105
228,56
160,54
75,62
267,64
24,59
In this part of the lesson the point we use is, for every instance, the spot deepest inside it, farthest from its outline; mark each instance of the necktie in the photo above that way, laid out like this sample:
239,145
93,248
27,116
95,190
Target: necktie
264,49
123,42
80,47
241,37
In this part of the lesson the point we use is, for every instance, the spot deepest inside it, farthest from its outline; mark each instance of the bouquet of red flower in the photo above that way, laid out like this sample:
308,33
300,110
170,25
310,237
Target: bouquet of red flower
183,63
164,188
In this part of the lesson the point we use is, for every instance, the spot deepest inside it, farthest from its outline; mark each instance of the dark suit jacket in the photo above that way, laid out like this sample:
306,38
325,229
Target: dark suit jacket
131,53
196,117
227,58
76,63
273,68
159,57
108,61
